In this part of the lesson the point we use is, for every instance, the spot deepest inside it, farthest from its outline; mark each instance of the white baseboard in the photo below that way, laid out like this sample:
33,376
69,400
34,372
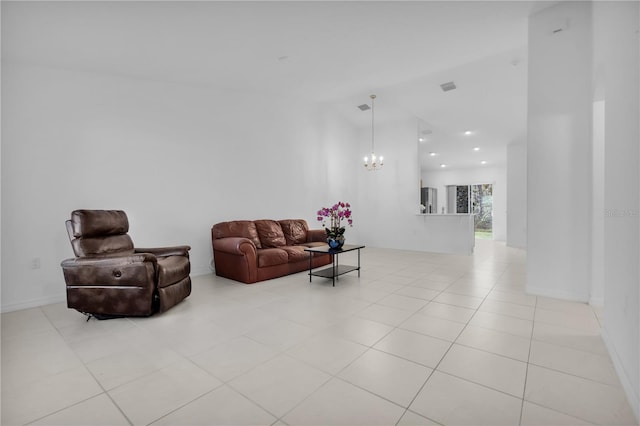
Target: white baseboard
34,303
632,396
199,272
596,301
544,292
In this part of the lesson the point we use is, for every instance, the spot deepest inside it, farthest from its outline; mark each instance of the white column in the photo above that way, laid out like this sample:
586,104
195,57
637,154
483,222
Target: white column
559,152
617,57
517,195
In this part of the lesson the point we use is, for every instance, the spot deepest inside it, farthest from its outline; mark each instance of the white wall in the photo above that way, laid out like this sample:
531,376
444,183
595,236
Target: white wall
176,158
494,175
617,57
598,207
179,159
388,198
559,152
517,195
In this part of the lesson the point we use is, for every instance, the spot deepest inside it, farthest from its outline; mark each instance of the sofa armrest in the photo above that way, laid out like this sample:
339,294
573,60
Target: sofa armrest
316,235
165,251
236,258
234,245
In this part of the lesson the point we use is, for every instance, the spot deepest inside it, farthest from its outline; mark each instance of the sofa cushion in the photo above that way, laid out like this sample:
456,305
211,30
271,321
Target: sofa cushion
296,253
272,257
295,231
237,228
270,233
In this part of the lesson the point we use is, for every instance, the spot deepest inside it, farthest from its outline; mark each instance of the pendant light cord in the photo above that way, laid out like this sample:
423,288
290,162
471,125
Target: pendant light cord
373,97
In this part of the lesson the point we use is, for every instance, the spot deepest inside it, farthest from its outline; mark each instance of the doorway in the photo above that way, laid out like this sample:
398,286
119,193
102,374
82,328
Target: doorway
482,208
476,199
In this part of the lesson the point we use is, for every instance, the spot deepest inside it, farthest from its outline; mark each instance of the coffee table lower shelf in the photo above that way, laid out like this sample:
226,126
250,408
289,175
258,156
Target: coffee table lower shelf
340,270
335,270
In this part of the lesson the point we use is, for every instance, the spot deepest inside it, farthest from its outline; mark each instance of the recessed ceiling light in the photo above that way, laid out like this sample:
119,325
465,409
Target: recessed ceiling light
483,162
443,165
477,148
432,154
420,139
467,132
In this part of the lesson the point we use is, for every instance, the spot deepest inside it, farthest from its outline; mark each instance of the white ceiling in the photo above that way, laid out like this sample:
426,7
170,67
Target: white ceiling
329,51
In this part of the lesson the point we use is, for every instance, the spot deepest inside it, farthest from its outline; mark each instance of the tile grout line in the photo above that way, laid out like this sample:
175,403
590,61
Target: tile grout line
443,356
526,375
88,370
538,306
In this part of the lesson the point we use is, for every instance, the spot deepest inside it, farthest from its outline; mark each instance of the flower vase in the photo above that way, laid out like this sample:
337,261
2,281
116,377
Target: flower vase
335,243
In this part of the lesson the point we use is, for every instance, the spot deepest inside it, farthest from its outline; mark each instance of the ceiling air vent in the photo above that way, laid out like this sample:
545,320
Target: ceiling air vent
557,26
364,107
448,86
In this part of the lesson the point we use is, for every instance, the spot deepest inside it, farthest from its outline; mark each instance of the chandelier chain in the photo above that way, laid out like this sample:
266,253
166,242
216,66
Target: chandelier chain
375,162
373,147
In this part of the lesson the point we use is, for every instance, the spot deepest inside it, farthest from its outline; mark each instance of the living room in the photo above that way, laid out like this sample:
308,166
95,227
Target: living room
220,133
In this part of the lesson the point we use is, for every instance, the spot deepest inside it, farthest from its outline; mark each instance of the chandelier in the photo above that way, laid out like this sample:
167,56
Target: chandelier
373,162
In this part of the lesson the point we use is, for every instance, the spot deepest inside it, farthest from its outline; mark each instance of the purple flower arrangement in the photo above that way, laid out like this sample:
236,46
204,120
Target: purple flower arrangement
334,216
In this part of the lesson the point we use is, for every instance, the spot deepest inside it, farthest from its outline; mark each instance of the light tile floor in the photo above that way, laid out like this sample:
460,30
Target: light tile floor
418,339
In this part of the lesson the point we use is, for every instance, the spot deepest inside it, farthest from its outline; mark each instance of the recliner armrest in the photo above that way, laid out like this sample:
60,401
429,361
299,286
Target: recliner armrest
108,261
135,270
234,245
165,251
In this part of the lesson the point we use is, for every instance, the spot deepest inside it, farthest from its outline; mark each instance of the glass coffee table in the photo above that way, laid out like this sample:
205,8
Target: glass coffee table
335,270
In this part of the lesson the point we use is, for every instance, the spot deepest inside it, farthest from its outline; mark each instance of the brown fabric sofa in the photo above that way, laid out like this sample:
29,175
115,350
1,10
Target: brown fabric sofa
251,251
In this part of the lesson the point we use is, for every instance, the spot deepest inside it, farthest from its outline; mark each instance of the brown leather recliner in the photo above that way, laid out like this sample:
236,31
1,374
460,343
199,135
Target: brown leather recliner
110,278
